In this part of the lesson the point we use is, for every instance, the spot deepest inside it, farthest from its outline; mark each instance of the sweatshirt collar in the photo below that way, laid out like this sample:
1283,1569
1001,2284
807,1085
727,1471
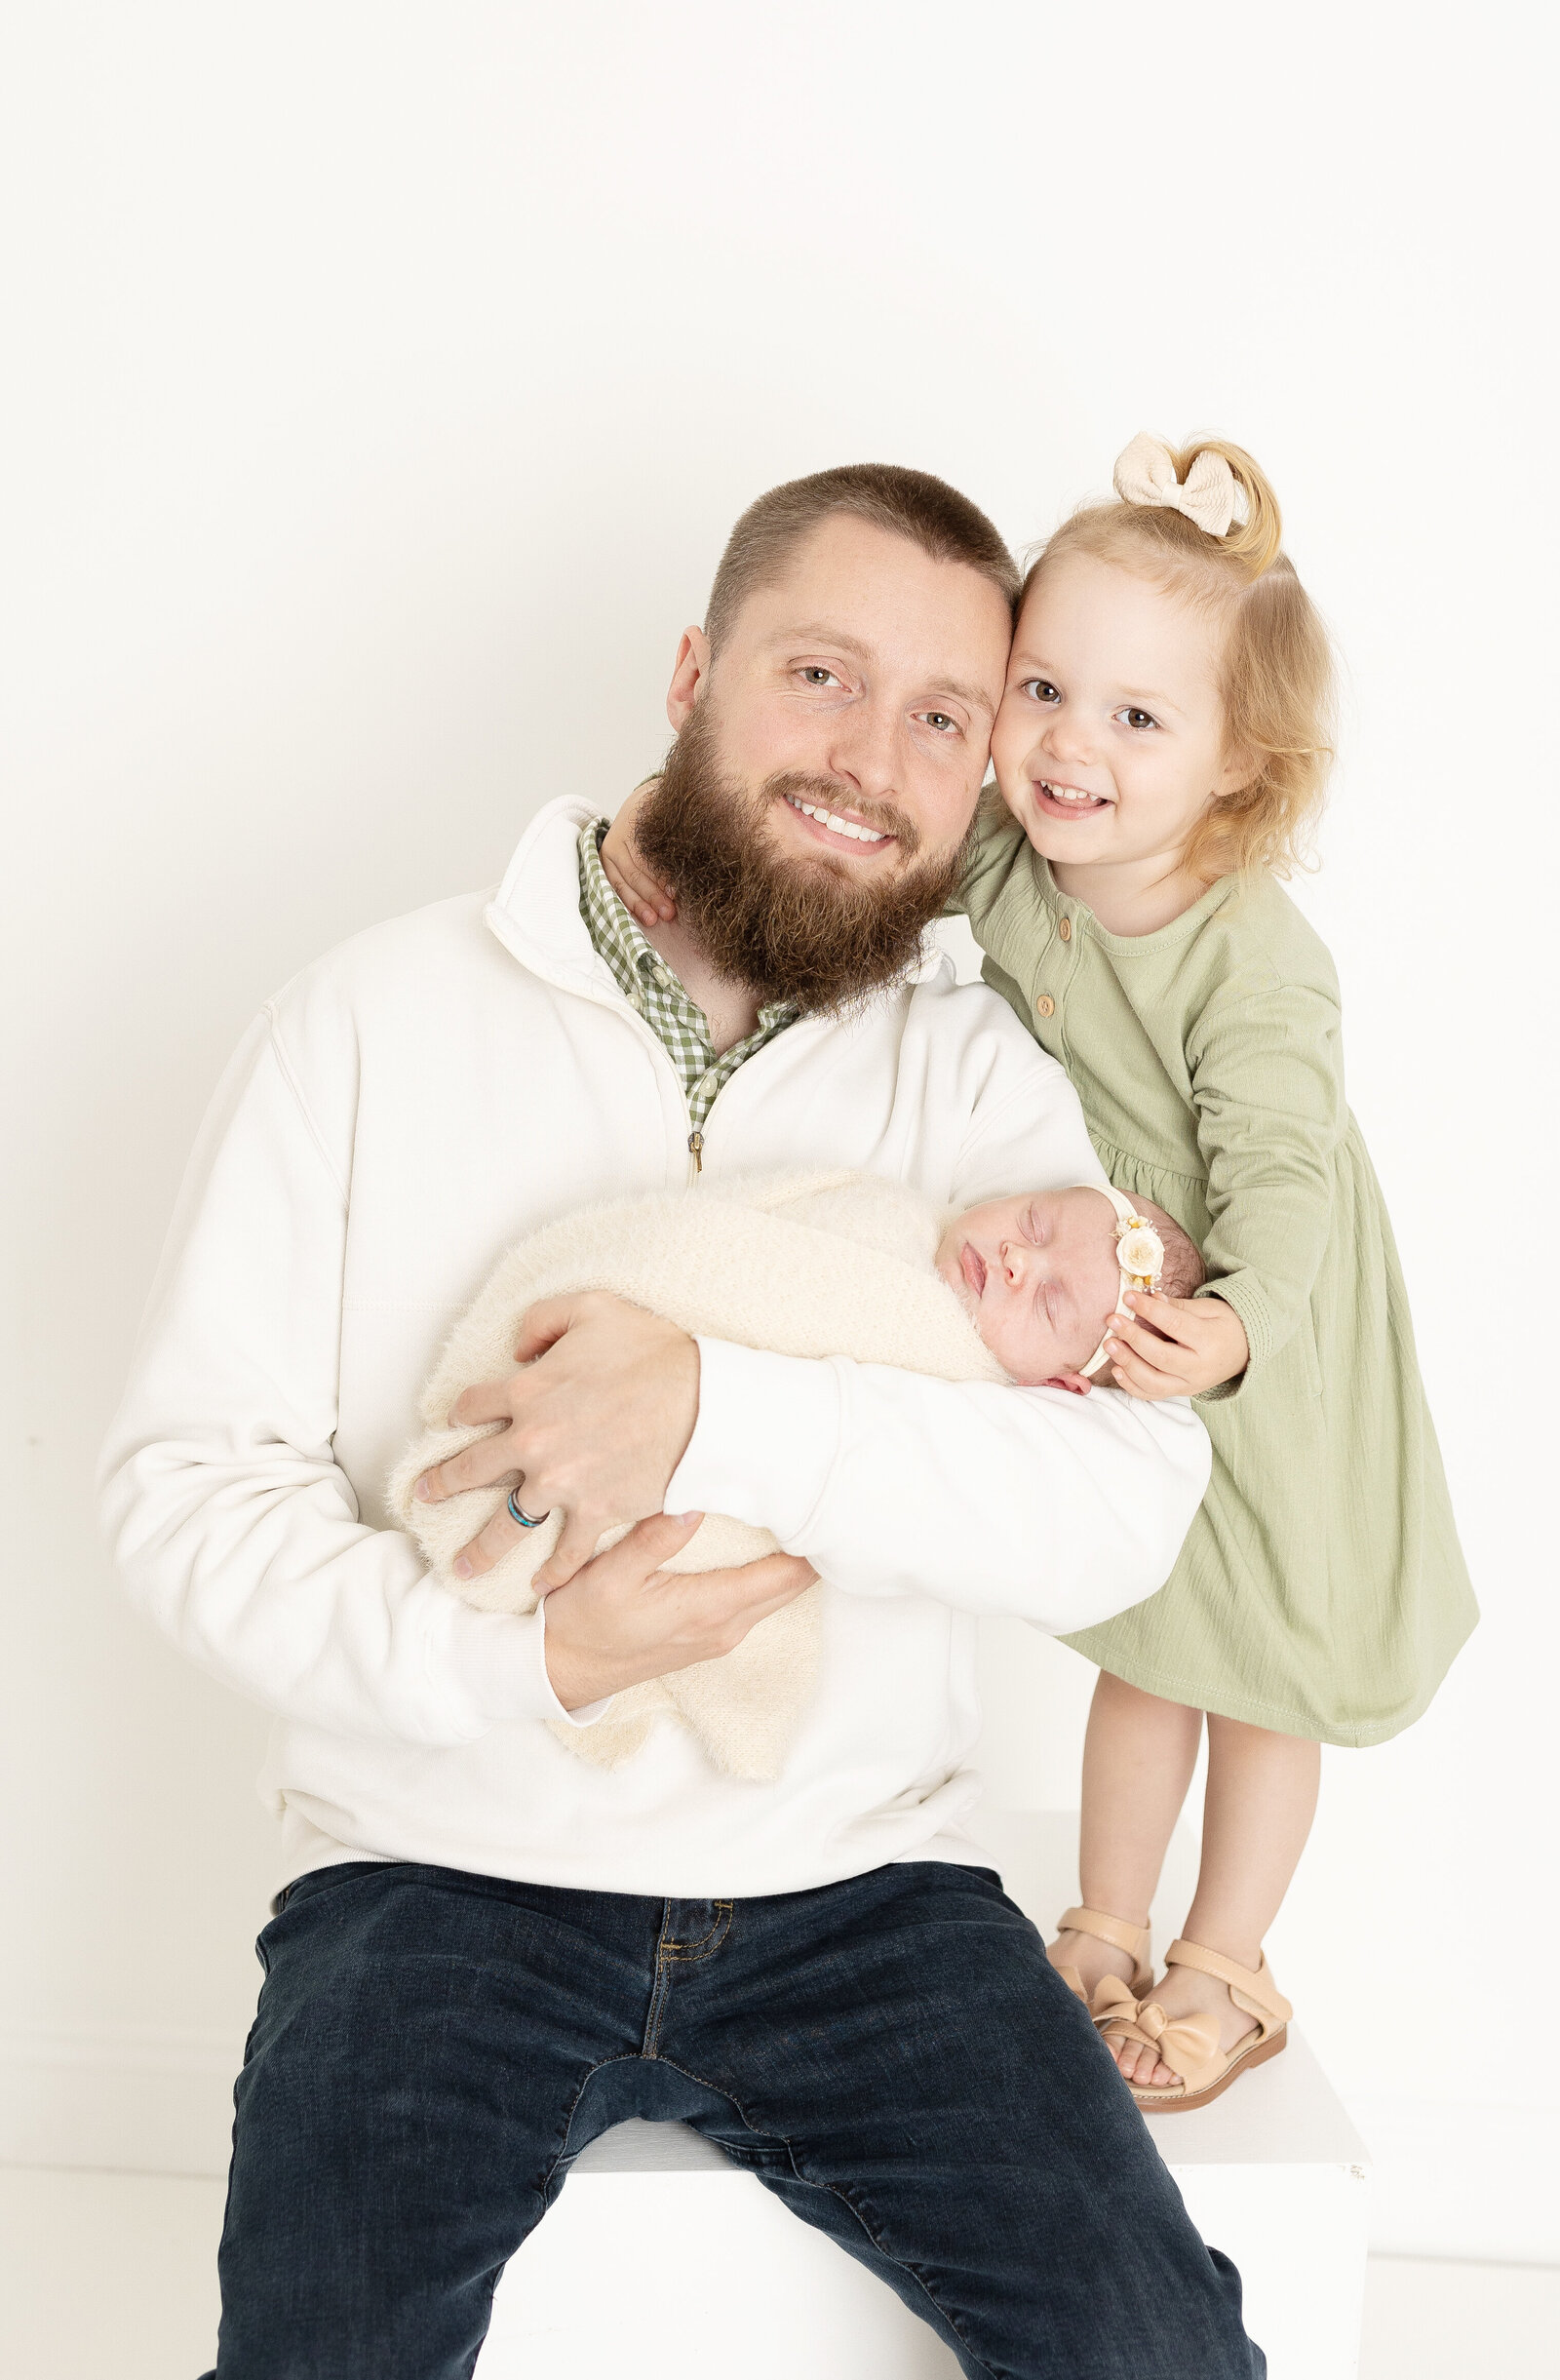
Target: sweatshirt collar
536,912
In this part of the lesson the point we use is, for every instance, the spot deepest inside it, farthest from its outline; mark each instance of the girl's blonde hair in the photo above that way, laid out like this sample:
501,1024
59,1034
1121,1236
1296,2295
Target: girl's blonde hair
1276,674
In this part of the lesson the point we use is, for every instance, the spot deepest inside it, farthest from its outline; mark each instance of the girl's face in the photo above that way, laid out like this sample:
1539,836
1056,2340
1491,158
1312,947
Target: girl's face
1110,743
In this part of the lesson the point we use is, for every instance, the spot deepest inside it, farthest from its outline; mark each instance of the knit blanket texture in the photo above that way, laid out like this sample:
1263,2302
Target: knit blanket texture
802,1264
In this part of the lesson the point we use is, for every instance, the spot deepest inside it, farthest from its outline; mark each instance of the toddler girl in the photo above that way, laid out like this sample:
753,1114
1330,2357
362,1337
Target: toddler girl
1160,751
1161,747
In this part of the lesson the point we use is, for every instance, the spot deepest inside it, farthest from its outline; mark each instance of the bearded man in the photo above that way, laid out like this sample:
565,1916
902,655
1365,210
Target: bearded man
486,1951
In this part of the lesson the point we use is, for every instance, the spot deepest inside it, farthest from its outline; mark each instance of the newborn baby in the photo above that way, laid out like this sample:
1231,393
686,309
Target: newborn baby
1043,1275
812,1265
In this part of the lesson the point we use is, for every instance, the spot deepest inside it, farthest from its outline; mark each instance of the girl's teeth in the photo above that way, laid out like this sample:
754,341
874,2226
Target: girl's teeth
1068,792
839,825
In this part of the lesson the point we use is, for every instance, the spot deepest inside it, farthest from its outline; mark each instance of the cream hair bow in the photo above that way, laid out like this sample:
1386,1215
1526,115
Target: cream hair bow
1146,474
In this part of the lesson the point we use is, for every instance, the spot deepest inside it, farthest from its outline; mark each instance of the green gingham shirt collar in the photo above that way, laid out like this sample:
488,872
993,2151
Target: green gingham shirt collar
648,985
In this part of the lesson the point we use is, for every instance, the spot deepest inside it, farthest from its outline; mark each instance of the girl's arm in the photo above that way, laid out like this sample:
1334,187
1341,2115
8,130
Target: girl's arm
1267,1088
649,902
997,843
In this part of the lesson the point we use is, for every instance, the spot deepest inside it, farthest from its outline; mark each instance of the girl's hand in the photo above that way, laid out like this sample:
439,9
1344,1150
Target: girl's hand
647,901
1176,1347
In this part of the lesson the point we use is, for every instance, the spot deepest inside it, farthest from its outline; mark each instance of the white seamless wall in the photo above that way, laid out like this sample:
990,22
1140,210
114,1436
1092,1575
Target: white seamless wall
384,380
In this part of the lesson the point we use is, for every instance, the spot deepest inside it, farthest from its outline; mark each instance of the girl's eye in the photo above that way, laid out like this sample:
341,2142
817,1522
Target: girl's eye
1136,719
1039,689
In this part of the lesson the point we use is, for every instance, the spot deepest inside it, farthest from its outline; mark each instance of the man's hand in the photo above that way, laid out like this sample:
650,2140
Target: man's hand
1176,1347
596,1420
624,1619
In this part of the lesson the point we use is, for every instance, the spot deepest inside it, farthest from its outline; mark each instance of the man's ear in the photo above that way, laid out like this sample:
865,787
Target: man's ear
689,674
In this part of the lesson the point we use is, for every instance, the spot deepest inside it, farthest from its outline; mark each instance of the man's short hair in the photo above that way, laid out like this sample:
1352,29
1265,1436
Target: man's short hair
907,503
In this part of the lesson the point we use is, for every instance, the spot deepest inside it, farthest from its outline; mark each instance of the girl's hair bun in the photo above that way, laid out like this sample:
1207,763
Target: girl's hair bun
1215,486
1258,539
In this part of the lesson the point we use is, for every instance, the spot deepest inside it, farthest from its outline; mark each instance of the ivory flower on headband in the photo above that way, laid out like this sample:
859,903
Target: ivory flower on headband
1139,1252
1208,495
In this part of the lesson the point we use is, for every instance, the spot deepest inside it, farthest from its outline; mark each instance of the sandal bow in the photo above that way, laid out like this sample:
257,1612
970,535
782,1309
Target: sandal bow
1114,2002
1188,2044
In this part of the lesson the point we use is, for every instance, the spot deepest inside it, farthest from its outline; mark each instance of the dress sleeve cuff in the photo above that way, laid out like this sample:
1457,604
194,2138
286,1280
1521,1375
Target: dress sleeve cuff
500,1662
766,1439
1240,1293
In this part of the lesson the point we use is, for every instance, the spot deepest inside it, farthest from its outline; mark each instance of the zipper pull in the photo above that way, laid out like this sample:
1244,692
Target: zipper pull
696,1150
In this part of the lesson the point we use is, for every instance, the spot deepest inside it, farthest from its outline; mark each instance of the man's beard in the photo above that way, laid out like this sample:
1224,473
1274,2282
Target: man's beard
783,926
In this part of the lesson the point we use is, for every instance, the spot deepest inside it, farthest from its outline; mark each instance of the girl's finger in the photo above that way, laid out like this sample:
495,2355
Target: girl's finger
639,908
630,878
1173,1318
1140,1377
1147,1341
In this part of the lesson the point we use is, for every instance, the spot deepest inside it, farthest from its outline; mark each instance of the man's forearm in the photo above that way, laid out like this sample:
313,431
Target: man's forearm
1026,1500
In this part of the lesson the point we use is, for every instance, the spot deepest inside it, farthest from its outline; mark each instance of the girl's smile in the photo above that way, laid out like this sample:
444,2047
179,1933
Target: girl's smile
1110,745
1069,802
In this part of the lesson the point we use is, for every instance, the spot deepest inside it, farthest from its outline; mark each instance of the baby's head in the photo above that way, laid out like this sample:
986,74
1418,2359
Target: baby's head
1039,1275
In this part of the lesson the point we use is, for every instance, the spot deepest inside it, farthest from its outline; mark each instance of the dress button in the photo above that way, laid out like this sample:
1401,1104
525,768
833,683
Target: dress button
1045,1006
1064,929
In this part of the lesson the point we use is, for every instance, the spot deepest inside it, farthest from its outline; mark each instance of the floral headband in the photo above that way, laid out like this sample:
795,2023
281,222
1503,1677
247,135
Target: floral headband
1140,1253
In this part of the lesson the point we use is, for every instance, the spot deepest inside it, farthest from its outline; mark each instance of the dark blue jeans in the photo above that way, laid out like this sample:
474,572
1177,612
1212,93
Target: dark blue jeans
892,2056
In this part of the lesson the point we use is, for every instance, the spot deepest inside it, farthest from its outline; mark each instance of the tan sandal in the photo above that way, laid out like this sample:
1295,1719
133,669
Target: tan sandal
1113,1999
1190,2043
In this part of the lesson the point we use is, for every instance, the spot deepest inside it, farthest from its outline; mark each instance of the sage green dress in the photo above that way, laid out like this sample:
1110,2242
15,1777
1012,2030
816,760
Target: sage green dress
1321,1590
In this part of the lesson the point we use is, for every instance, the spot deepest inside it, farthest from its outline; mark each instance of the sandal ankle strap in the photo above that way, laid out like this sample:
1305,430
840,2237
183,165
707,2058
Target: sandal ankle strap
1254,1993
1098,1923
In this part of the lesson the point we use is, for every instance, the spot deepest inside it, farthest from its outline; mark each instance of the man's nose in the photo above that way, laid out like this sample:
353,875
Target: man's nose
866,751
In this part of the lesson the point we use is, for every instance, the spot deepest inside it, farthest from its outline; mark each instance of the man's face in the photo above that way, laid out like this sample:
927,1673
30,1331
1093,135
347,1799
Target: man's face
876,672
811,814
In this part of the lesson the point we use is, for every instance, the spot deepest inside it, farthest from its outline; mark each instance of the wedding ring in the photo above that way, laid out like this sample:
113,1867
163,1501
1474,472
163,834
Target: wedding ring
526,1520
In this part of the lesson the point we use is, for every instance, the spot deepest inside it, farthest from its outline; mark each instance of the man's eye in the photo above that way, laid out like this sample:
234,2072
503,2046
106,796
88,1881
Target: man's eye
816,675
1137,719
940,720
1039,689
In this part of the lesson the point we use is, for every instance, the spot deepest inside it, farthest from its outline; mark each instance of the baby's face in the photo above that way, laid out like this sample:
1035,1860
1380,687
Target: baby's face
1037,1275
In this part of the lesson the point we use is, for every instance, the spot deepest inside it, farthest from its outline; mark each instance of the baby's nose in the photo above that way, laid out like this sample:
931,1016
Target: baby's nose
1013,1263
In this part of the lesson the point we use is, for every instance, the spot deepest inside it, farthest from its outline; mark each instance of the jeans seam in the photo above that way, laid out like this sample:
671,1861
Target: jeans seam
669,1954
902,2264
544,2187
706,1944
835,2191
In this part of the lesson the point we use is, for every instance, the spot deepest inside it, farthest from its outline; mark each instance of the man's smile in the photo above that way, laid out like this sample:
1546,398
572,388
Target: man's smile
839,829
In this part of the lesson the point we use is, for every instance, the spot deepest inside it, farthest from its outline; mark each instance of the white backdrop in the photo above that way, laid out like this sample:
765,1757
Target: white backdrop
384,379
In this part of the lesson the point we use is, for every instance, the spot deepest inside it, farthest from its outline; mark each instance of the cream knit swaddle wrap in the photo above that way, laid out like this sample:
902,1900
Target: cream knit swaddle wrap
811,1265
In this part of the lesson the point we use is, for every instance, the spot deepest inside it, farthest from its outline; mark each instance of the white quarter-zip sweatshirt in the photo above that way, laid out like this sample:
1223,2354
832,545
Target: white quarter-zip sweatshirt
394,1119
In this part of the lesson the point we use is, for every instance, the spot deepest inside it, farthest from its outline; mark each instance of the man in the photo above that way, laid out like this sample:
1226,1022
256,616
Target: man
487,1950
